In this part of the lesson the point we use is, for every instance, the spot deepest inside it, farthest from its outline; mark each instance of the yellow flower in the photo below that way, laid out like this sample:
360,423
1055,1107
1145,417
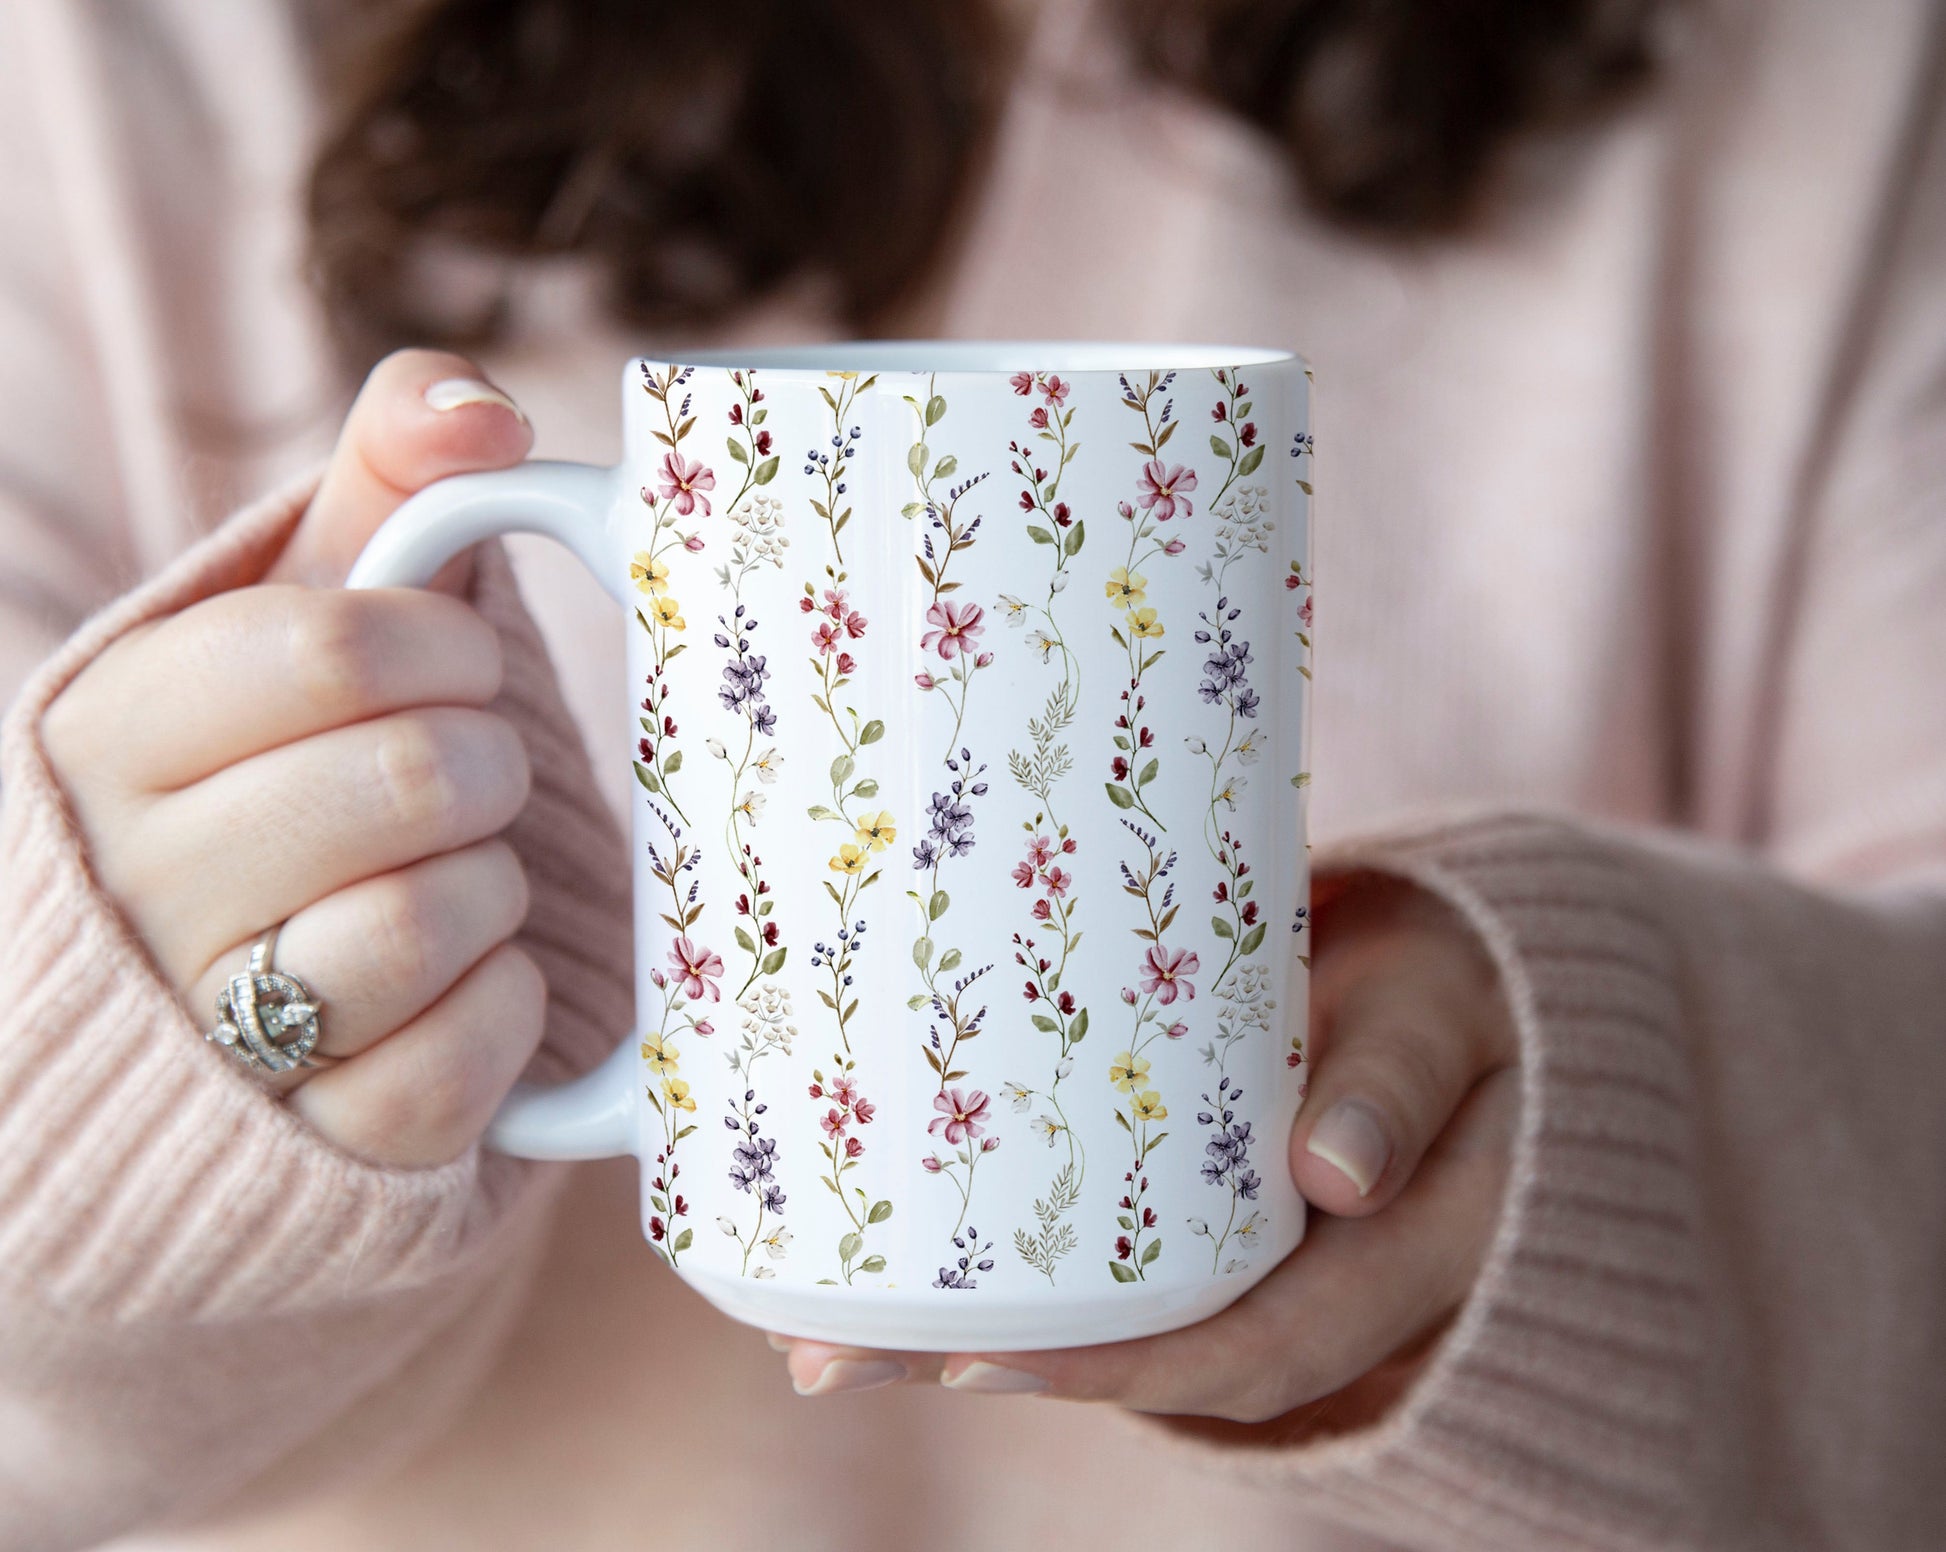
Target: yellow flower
675,1094
661,1055
877,831
668,612
850,860
1149,1107
648,574
1127,1070
1125,591
1142,622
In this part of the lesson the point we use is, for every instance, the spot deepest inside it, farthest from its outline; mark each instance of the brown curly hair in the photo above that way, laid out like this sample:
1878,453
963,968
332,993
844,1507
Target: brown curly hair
702,155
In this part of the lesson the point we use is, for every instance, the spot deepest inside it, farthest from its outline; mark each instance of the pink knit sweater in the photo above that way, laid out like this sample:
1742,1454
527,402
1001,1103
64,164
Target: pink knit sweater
1632,552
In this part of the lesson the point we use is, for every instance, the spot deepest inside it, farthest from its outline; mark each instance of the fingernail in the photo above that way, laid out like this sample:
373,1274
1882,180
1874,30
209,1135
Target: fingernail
778,1344
993,1379
453,393
1352,1139
843,1374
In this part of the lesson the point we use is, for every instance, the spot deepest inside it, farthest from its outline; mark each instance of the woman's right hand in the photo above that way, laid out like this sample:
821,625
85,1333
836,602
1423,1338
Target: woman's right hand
295,753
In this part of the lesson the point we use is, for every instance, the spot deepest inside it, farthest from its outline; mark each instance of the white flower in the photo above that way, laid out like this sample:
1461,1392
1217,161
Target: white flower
1235,1264
1063,1067
1195,745
768,765
715,747
776,1242
1250,1228
1250,750
752,806
1015,609
727,1227
1048,1127
764,1271
1197,1226
1232,790
1017,1095
1039,641
1058,582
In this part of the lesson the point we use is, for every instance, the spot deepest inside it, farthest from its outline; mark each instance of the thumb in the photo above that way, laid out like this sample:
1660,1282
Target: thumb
421,415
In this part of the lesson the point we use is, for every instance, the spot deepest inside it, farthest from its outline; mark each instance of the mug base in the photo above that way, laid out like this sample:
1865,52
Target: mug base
942,1321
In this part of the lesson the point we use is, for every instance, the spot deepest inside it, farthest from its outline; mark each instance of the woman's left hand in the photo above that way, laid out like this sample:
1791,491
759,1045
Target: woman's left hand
1402,1146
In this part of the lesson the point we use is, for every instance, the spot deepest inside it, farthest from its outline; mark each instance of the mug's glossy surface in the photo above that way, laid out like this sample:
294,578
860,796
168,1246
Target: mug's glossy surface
969,717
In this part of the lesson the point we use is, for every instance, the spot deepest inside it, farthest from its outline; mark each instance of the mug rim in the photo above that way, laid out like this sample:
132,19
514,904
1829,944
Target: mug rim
1069,357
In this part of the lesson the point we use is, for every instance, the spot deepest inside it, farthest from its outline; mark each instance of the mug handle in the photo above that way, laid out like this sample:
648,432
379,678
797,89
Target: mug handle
592,1117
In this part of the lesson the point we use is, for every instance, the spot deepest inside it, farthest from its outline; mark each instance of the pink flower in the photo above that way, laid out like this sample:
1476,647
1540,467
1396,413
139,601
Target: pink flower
853,1147
930,1164
984,660
826,637
834,1123
705,1028
989,1144
834,603
843,1090
1040,851
1174,547
683,483
1125,509
924,680
1304,612
1024,875
846,663
863,1110
958,626
1177,1030
1043,911
1055,389
854,625
1167,975
1023,383
1057,883
1165,489
1038,420
960,1114
697,969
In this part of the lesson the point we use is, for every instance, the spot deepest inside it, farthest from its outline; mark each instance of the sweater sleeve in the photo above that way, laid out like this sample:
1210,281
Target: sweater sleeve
194,1286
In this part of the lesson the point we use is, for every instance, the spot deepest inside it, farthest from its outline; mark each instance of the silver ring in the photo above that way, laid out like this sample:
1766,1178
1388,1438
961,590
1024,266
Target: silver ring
266,1019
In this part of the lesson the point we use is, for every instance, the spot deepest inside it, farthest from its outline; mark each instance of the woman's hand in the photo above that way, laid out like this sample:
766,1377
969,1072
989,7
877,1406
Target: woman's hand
1403,1144
294,753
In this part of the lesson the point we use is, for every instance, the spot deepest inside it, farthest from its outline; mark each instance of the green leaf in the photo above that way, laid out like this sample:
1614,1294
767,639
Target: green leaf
1044,1024
683,1240
946,468
1221,928
819,811
841,769
1118,795
1072,546
1305,486
1154,1250
684,1133
647,777
1124,1121
1078,1027
935,409
1253,939
917,1001
1039,534
673,764
1124,1220
1148,773
774,960
922,952
850,1245
1121,1273
912,509
1301,780
767,470
872,1264
872,732
879,1213
745,942
1250,461
736,450
915,459
865,789
1219,447
936,908
949,961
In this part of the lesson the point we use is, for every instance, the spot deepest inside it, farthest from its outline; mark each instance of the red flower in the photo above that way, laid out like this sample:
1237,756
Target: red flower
826,637
1058,882
1023,383
847,663
1033,992
817,1091
1038,420
770,934
960,1114
736,414
1120,767
1026,501
854,624
1249,913
1166,975
1165,489
1247,437
1043,911
835,1122
1148,1217
853,1147
864,1110
1066,1004
1062,515
1124,1248
1024,875
763,442
1067,847
1221,412
957,627
697,968
1055,389
684,482
656,1228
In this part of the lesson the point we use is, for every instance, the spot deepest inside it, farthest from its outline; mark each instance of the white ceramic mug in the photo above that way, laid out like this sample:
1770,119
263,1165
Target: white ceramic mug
969,694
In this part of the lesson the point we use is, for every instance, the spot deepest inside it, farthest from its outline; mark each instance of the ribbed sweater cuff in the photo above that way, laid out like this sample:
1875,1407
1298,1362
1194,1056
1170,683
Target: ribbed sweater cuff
1558,1411
141,1175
